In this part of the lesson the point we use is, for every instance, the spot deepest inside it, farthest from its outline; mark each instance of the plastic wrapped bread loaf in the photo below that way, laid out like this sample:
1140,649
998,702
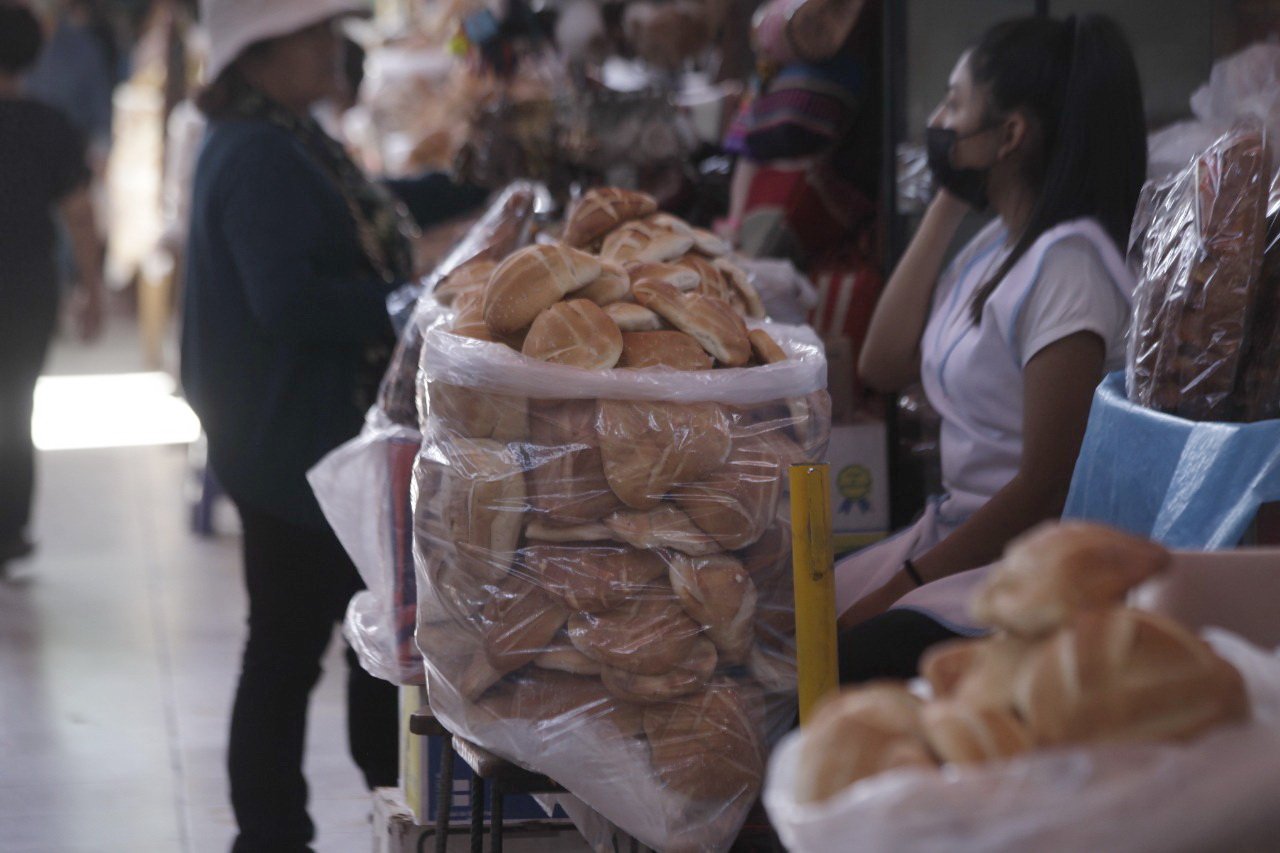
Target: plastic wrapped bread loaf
1201,258
1258,390
604,570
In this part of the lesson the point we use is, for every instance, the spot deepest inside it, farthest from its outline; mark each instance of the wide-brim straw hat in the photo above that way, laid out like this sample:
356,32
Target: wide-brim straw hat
231,26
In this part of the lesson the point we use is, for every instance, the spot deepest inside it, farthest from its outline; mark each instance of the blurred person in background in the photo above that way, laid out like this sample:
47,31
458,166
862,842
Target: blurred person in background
44,175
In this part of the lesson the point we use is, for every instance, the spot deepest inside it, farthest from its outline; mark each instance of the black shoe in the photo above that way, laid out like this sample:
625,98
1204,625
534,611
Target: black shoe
15,548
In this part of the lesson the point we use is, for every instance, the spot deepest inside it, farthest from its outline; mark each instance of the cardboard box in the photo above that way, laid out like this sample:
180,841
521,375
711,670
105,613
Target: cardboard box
859,460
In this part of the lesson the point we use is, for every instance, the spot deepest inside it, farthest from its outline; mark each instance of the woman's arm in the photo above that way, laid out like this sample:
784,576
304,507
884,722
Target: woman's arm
77,214
1058,385
890,358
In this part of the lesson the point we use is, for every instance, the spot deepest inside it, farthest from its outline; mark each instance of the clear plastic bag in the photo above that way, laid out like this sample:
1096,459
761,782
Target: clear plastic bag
1258,391
506,225
604,578
1220,792
1200,239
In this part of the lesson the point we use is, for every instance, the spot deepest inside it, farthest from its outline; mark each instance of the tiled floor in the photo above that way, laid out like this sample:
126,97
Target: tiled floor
119,642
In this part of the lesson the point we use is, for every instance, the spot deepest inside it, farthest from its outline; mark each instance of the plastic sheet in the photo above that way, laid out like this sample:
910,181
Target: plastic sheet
507,225
1258,389
1200,238
1185,484
364,490
1221,792
604,580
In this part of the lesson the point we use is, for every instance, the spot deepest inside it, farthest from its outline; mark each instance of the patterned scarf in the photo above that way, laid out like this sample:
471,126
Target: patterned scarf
383,226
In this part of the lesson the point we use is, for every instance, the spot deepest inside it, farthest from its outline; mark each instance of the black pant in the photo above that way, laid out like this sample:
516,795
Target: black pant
299,581
25,332
888,646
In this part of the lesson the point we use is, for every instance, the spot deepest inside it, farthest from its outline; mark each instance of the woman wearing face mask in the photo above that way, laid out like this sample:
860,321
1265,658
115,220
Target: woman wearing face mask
1042,124
291,255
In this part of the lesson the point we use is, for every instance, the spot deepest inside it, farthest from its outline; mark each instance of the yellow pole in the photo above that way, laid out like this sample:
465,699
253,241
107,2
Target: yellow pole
815,586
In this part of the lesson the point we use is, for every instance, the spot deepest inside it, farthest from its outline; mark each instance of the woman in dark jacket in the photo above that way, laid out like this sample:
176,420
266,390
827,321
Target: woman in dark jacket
291,255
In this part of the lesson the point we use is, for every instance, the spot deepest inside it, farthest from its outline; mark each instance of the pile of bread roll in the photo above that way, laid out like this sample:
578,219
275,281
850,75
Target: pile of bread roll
615,561
1067,664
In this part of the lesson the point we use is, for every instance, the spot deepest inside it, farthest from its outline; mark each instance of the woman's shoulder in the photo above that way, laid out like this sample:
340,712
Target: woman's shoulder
1084,232
248,137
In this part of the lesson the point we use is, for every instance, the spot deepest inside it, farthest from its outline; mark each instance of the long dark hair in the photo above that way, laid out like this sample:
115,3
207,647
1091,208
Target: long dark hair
218,99
1077,79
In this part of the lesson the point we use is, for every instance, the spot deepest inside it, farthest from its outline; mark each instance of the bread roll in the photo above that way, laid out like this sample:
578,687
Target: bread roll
705,746
520,620
977,673
561,656
475,413
680,276
765,348
633,318
637,242
649,447
961,734
576,333
667,526
541,531
708,243
560,703
712,322
709,280
719,595
768,563
774,668
613,285
532,280
856,734
602,210
737,502
690,675
1058,569
566,470
460,657
591,577
471,277
485,500
1120,674
740,282
648,635
468,318
675,350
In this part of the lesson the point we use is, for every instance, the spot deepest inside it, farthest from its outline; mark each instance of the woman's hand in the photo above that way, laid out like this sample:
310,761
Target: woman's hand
877,601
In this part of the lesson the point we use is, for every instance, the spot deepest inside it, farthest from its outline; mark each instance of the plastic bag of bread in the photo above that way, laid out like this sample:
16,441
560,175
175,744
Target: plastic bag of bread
603,555
1200,238
363,488
506,225
1258,388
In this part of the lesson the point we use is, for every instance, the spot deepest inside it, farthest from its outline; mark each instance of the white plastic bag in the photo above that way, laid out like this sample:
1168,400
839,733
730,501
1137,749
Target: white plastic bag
1220,792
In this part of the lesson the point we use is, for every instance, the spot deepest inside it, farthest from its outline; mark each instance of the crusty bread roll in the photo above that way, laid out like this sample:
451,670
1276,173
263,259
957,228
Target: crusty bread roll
858,733
566,472
768,562
705,746
962,734
717,592
636,241
633,318
541,531
591,577
736,503
709,280
1121,674
649,447
765,348
709,244
471,277
688,676
474,413
459,654
1058,569
520,620
601,210
613,285
675,350
576,333
977,673
468,318
560,703
561,656
738,280
712,322
532,280
648,635
485,500
680,276
667,526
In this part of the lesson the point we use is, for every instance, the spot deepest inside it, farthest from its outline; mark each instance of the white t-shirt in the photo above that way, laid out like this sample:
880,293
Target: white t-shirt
1072,279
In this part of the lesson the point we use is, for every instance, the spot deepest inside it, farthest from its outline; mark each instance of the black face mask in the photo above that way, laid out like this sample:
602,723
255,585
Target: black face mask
968,185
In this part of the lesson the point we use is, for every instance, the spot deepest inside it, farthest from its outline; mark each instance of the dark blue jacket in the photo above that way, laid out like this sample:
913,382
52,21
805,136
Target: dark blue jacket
280,310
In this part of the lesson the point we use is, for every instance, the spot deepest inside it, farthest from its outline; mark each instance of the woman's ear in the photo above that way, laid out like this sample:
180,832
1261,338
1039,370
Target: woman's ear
1014,131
